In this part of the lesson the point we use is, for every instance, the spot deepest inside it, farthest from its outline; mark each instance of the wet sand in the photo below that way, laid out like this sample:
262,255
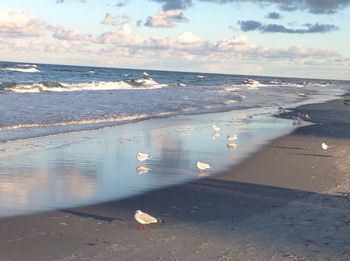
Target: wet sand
289,201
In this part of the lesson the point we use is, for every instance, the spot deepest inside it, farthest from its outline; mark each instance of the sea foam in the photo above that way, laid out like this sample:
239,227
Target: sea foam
138,84
25,69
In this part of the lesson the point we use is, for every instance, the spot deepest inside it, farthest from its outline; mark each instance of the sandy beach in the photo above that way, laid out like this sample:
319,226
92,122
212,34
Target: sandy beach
288,201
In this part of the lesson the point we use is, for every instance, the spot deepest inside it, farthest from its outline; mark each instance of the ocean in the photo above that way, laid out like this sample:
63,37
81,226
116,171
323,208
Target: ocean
41,99
69,134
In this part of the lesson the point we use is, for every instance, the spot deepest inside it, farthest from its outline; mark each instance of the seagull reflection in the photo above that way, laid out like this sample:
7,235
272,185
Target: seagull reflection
142,170
202,174
231,145
215,135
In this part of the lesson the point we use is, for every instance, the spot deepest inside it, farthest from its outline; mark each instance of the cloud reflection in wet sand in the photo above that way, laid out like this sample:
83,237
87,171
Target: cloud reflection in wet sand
94,166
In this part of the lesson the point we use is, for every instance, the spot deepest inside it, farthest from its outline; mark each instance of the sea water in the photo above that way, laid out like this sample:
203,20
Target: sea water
55,154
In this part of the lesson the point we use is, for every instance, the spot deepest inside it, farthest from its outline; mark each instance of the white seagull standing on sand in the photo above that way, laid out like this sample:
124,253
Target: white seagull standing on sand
142,156
324,146
145,219
232,137
216,128
202,165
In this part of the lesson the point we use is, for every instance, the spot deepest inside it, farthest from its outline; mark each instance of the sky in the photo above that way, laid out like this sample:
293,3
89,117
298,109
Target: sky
300,38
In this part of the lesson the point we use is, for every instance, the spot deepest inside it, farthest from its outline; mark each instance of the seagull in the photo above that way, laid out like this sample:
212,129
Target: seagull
216,128
307,116
232,145
142,156
280,109
324,146
304,116
142,170
232,137
297,120
145,219
202,165
145,74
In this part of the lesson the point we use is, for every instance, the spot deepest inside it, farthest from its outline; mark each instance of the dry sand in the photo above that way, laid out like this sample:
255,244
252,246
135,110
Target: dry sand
289,201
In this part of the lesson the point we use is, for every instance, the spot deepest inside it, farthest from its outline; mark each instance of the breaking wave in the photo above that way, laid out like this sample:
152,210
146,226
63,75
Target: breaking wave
253,84
143,83
24,68
27,65
115,119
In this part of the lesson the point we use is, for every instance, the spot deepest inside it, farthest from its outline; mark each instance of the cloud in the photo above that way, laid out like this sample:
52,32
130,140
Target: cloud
16,23
28,35
62,1
313,6
174,4
166,19
274,15
186,46
121,4
185,41
139,22
252,25
70,35
111,19
310,28
123,36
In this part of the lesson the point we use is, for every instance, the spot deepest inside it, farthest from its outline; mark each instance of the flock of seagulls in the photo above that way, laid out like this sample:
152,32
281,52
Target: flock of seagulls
144,218
140,156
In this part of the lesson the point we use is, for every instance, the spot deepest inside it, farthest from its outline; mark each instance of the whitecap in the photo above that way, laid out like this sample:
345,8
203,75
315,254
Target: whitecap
142,84
24,70
27,65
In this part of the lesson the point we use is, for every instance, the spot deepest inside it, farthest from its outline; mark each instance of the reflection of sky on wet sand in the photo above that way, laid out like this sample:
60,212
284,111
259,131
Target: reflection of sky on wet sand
93,166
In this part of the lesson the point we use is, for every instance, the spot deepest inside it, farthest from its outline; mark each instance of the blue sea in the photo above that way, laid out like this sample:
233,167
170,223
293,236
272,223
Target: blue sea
69,134
42,99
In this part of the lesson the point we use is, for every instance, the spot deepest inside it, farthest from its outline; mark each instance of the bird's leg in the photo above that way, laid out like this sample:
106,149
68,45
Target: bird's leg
142,226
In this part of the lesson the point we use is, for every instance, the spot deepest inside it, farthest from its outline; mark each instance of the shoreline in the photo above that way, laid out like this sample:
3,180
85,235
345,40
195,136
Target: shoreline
286,201
42,131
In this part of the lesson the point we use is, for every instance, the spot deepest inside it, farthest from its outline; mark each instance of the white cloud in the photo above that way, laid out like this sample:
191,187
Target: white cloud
123,36
17,23
114,20
27,34
70,35
166,18
185,41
